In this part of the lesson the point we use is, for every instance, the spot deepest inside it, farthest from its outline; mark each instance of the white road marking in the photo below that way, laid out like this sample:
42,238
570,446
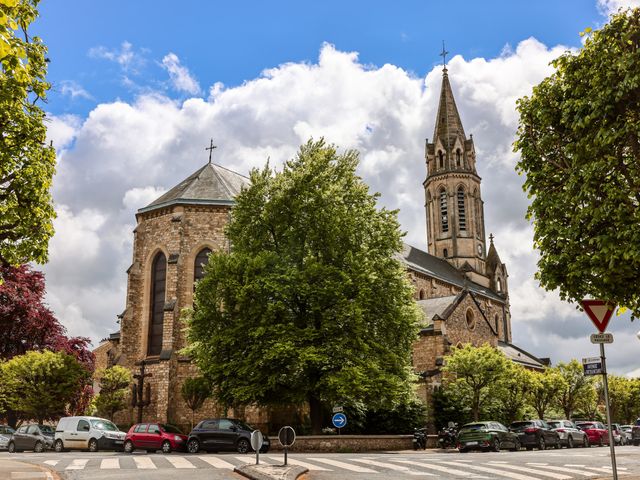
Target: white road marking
390,466
217,462
179,462
346,466
144,463
557,476
567,470
27,475
78,464
573,465
293,461
250,459
515,476
440,468
497,462
53,463
605,470
110,463
536,464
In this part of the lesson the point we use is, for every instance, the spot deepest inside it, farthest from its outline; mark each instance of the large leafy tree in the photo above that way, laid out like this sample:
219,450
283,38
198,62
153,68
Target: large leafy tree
27,164
512,391
194,393
578,391
545,388
41,385
114,387
579,142
478,374
311,303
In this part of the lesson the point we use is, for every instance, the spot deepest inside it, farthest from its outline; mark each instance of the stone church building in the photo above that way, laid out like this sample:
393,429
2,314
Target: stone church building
460,284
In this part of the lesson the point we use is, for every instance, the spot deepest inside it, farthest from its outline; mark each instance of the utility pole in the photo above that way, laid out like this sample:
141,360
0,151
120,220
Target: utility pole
137,391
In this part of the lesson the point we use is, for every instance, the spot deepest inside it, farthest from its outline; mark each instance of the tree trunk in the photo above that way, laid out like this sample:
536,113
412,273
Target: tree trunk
193,414
315,412
12,419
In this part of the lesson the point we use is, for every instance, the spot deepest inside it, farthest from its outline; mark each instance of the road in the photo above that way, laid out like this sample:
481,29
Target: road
562,464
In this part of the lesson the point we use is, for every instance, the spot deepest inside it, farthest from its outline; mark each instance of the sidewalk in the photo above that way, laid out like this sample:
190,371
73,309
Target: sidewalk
14,470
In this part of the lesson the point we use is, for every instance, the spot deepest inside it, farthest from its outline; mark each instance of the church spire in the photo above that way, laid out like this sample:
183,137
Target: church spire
448,124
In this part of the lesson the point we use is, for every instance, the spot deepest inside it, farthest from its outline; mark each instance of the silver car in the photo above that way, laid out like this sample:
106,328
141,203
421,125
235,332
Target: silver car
626,431
5,435
570,435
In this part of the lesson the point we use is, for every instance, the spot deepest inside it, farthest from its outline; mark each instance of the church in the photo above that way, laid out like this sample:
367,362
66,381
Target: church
460,284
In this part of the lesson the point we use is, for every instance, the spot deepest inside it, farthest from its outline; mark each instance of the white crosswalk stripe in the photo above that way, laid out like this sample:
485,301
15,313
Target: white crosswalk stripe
390,466
110,463
572,470
179,462
605,470
217,462
502,473
557,476
252,459
346,466
53,463
77,464
440,468
293,461
144,463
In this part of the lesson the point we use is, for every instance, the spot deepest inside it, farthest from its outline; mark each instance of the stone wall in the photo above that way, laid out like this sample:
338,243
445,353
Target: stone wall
347,443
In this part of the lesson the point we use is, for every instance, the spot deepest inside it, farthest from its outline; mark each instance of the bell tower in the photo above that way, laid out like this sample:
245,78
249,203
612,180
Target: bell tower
454,207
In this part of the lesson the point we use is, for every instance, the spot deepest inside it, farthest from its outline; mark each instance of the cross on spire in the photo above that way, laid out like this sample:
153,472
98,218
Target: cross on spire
210,148
444,54
491,237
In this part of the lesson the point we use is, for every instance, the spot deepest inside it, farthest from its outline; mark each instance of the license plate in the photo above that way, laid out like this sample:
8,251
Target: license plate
118,441
472,443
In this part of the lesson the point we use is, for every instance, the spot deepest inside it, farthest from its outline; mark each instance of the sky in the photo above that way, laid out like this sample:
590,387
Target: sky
139,88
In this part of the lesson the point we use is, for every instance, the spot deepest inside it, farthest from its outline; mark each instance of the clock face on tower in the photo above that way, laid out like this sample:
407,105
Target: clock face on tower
479,249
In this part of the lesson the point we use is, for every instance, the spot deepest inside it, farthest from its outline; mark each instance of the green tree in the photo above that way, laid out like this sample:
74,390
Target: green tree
26,164
512,391
545,388
578,391
43,384
476,371
311,303
579,143
194,392
114,387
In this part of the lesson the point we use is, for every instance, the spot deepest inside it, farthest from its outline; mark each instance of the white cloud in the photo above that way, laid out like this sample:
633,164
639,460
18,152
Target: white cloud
126,154
128,59
607,7
62,130
74,90
181,79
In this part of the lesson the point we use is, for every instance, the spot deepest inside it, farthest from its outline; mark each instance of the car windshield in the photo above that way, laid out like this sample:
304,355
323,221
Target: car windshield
521,424
104,425
472,427
555,424
6,430
46,429
171,429
586,425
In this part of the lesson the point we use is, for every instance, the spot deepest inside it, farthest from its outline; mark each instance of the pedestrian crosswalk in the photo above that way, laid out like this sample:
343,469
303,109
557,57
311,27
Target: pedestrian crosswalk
367,465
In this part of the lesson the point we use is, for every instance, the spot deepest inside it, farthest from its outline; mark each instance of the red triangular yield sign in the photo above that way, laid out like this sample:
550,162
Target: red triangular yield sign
599,312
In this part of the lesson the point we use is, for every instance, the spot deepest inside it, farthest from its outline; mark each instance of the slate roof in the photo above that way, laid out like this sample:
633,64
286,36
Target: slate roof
436,306
210,185
439,268
520,356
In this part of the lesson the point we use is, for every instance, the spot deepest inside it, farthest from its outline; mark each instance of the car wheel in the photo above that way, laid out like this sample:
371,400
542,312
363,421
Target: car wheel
600,442
12,447
496,445
242,446
529,449
58,446
193,446
516,446
585,442
569,441
557,445
38,447
93,445
541,443
128,447
463,450
166,446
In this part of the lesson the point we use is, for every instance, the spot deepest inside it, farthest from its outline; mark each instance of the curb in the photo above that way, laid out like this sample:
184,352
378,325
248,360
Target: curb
271,472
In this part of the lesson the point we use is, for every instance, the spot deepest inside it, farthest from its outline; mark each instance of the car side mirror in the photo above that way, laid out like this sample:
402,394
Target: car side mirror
234,428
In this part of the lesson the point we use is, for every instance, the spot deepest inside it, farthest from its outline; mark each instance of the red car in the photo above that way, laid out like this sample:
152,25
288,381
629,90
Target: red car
596,431
154,436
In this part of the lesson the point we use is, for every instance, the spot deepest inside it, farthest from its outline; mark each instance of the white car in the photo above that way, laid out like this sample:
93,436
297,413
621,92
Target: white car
87,433
570,435
5,436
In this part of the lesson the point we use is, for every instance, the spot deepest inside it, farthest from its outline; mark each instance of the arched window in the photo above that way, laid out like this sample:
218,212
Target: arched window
462,217
421,294
471,321
441,158
444,217
156,317
458,157
201,261
500,285
446,253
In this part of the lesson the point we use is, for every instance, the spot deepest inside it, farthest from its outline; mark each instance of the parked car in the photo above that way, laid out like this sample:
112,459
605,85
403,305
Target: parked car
87,433
218,434
626,431
596,431
154,436
570,435
31,437
486,436
635,433
535,433
5,435
618,437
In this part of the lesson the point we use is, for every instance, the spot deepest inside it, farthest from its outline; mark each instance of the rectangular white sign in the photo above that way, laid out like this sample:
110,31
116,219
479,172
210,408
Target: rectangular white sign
601,338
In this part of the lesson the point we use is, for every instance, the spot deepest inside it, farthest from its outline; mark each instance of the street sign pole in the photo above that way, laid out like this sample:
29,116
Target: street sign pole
606,401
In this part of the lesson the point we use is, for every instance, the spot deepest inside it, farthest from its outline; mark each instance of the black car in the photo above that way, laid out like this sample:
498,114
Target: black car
32,437
217,434
535,433
635,433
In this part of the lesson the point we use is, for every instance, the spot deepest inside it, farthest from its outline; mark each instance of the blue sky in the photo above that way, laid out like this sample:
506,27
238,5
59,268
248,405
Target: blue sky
139,88
231,42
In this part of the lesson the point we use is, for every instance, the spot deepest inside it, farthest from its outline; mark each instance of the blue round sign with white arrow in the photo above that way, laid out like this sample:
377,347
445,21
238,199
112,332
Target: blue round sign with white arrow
339,420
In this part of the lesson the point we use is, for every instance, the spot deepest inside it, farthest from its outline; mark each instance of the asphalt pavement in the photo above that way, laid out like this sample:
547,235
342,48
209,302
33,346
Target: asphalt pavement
566,464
